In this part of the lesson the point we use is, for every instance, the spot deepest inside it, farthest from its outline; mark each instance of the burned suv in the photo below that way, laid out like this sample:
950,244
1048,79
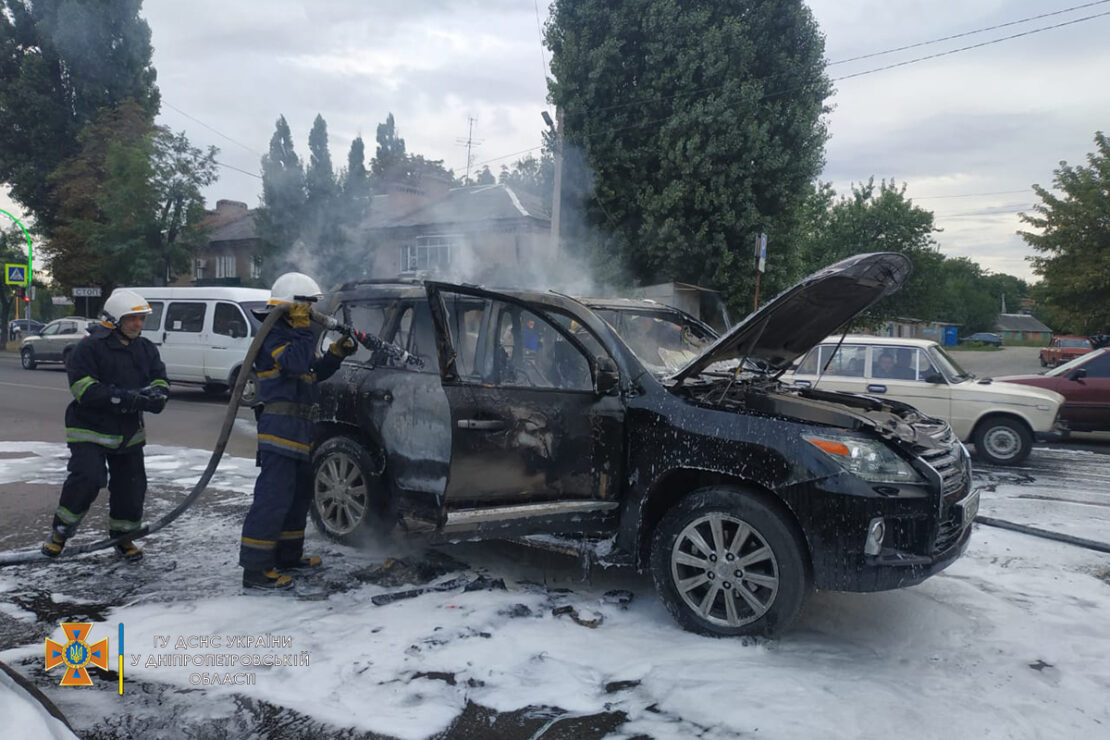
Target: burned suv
533,416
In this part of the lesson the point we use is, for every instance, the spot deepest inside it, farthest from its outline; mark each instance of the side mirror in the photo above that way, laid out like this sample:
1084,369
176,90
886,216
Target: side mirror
934,378
1078,373
607,377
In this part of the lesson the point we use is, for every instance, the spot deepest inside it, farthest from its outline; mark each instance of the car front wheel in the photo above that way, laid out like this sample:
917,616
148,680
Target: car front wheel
27,358
349,495
1002,441
727,563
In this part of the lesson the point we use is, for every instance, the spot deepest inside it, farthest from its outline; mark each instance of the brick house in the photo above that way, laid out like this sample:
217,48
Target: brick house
1020,327
231,256
478,233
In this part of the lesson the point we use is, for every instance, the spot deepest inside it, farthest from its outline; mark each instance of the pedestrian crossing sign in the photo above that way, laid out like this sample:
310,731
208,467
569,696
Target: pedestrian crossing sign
15,274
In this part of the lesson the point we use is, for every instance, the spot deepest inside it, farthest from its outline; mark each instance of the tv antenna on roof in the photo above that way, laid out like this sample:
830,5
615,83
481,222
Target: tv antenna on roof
470,144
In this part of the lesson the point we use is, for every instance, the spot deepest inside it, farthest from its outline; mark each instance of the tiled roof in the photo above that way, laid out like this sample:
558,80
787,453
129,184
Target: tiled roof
1019,322
461,205
238,229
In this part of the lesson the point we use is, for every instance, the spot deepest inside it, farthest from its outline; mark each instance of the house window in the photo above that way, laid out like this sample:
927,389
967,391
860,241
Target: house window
428,253
256,267
198,268
225,266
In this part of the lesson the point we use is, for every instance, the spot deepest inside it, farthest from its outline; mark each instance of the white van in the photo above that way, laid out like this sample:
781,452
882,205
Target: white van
203,333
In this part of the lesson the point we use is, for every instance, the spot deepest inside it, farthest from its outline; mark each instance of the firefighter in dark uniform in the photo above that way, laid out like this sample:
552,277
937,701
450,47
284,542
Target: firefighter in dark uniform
287,371
114,375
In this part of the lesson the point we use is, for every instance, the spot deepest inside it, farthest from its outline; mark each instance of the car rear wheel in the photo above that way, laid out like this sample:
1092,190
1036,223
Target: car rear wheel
349,498
1002,441
250,389
27,357
727,563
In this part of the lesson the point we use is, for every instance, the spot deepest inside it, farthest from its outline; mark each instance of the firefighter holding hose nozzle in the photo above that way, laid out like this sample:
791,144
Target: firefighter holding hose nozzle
287,371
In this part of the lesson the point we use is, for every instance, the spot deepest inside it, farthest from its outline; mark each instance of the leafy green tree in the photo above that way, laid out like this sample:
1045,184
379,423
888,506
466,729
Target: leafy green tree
390,156
132,202
485,177
61,61
964,298
536,176
356,183
283,192
1072,238
689,127
319,180
875,219
13,249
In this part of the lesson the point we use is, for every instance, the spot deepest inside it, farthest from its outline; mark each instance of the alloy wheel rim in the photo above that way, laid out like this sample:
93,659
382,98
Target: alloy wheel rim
341,493
724,570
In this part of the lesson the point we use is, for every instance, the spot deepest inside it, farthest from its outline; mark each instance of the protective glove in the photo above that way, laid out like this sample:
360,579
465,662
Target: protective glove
124,401
153,399
343,347
299,315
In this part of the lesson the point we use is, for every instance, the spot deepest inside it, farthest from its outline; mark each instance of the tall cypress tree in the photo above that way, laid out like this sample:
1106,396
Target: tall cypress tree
283,191
689,127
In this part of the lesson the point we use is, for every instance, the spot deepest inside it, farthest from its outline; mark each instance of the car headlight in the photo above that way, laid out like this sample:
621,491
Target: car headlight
870,459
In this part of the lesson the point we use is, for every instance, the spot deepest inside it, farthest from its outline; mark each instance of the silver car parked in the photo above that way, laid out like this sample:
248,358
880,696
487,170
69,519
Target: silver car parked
53,342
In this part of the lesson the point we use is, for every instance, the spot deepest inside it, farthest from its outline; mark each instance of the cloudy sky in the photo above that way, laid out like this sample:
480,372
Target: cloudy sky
968,133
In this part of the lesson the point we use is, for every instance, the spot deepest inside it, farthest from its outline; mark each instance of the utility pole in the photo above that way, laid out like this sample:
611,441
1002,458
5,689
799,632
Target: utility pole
557,195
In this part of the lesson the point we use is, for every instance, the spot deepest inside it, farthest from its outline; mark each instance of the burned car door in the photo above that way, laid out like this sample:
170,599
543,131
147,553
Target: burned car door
401,407
526,422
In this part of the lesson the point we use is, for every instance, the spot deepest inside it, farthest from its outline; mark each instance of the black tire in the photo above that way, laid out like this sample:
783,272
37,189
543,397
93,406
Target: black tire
27,358
349,495
1001,440
250,390
1043,363
772,586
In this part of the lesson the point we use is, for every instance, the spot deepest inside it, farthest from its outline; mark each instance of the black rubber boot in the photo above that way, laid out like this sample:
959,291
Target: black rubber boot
54,545
266,580
129,551
304,563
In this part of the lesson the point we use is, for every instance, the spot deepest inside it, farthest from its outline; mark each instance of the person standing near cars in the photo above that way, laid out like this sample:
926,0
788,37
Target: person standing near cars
287,371
114,375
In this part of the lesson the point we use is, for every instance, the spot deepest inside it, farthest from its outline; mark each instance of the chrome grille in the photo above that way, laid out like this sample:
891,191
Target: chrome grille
950,460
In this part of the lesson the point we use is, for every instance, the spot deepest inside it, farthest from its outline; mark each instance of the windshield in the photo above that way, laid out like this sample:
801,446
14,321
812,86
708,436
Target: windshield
1067,367
948,367
1075,343
663,341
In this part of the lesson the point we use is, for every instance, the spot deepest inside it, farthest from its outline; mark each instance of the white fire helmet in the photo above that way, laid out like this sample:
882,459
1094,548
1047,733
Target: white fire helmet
122,303
292,287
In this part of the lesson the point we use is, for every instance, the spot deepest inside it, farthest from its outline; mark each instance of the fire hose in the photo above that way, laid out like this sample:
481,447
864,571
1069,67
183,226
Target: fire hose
373,343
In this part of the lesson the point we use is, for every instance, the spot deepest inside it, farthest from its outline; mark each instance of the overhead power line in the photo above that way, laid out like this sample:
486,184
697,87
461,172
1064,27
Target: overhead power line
967,33
972,46
217,131
233,167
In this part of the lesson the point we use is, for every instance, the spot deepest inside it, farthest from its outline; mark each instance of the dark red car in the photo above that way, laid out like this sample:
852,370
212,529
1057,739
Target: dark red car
1085,384
1064,349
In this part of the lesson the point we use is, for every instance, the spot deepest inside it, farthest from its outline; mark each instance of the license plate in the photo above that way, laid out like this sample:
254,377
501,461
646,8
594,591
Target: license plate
970,507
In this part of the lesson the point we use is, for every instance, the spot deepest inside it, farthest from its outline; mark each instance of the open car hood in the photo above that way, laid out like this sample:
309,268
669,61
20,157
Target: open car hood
800,317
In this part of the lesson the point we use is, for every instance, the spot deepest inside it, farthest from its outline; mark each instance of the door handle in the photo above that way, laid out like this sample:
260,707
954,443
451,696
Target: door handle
875,388
482,425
